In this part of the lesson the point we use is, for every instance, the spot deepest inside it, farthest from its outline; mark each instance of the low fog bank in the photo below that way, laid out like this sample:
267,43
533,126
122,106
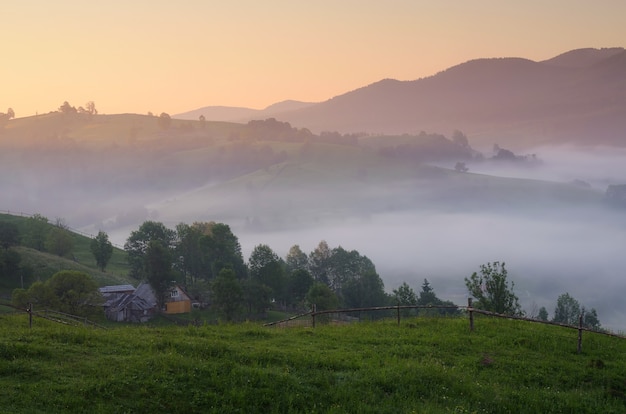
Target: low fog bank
597,166
580,252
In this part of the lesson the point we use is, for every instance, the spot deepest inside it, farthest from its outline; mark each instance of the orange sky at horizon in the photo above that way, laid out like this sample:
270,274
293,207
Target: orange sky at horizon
164,56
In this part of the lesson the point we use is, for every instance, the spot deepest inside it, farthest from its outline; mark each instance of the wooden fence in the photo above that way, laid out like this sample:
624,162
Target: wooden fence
54,316
310,318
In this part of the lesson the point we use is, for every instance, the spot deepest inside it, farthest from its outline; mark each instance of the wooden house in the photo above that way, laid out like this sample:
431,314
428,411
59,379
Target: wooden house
177,301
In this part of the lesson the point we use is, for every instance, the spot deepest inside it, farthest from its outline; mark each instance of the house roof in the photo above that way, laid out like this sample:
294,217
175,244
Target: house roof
117,288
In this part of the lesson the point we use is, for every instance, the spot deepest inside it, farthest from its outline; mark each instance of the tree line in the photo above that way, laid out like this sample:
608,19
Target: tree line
206,258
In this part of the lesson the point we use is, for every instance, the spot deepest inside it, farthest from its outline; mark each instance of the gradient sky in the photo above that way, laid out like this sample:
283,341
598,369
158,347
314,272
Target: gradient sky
166,56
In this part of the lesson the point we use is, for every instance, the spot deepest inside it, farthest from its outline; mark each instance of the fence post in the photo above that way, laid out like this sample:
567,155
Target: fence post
471,314
30,315
398,312
313,310
580,333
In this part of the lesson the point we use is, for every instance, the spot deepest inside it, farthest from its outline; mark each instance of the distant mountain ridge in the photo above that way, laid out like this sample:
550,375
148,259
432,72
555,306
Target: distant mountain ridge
578,97
242,114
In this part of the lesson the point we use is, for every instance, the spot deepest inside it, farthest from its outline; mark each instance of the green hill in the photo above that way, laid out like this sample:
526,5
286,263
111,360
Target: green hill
41,265
425,365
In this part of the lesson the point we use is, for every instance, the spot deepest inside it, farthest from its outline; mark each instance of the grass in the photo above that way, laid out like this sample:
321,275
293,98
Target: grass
424,366
44,265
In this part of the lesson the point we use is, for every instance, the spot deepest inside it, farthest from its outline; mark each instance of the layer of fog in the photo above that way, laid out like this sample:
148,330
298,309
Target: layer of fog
580,253
596,166
549,250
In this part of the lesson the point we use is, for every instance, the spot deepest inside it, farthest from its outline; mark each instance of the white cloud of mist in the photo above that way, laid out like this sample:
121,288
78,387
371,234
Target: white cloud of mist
549,250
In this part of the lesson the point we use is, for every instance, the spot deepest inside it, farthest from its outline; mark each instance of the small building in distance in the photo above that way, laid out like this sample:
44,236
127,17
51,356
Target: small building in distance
124,303
178,301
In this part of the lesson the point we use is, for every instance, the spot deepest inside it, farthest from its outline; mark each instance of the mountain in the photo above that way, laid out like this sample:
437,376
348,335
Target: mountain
578,97
238,114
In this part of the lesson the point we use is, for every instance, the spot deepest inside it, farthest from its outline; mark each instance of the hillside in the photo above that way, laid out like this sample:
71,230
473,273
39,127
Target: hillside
40,265
429,365
577,97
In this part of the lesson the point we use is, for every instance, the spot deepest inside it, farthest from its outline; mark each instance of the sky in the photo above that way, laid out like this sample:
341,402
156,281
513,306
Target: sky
164,56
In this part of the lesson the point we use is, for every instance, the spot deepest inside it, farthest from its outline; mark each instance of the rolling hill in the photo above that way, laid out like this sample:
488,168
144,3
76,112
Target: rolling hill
577,97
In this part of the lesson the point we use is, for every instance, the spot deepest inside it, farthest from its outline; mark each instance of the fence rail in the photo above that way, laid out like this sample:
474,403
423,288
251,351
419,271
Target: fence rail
469,309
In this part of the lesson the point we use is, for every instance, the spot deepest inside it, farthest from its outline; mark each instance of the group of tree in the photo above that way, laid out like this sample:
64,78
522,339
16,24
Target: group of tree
492,292
206,257
405,296
5,117
68,291
568,311
89,109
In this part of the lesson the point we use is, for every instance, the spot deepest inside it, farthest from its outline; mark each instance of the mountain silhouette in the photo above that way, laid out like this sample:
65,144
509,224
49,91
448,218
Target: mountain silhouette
577,97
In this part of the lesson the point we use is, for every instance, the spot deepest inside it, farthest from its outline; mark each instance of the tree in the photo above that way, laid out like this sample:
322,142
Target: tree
296,259
319,262
459,138
567,310
9,235
67,109
137,244
222,248
36,231
76,291
158,269
267,268
322,297
590,319
367,290
405,296
165,120
299,282
227,294
491,290
427,295
90,108
543,314
460,167
68,291
102,249
59,241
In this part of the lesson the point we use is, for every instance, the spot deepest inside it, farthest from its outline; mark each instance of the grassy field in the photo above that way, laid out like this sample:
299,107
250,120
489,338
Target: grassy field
422,366
44,265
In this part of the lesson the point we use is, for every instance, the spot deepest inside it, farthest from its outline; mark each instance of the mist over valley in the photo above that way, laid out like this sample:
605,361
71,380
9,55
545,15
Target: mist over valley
432,205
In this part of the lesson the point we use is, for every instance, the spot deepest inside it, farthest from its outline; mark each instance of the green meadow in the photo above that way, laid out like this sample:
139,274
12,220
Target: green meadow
423,365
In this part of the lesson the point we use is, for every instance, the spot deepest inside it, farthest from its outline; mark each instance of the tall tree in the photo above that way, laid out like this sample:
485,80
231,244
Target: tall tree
158,269
102,249
137,244
567,310
227,294
590,319
322,297
404,295
366,290
319,262
299,282
491,290
427,295
266,267
296,259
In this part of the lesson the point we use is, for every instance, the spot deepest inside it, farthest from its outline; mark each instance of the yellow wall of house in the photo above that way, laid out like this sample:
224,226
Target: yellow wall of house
182,306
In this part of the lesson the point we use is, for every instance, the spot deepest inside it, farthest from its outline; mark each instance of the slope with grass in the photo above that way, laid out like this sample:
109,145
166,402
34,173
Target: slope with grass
44,264
424,365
